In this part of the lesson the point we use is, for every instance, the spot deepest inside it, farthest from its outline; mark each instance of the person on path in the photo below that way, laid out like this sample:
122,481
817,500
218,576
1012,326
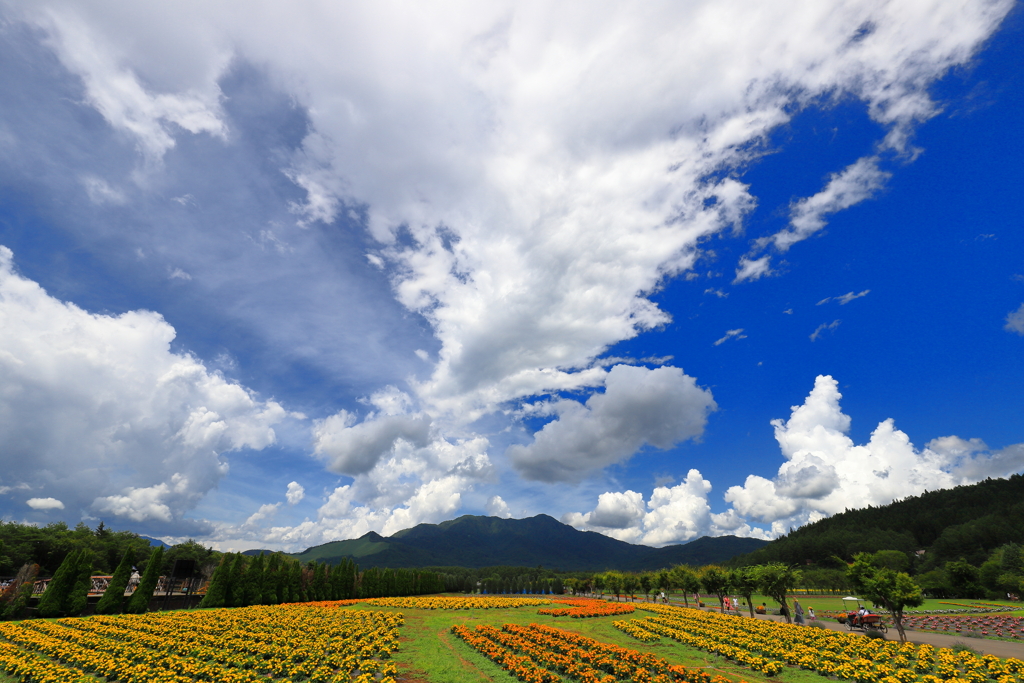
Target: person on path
798,612
810,613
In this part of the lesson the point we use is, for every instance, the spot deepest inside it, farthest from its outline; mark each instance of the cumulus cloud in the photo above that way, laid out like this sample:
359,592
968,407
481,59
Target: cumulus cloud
352,449
534,224
660,407
1015,321
825,472
295,493
525,194
44,504
98,411
497,507
673,514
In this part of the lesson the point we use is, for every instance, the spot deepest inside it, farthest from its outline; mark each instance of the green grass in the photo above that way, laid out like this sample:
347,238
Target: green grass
429,652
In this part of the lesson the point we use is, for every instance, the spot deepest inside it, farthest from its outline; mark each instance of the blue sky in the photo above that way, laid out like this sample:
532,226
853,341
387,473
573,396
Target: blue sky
274,276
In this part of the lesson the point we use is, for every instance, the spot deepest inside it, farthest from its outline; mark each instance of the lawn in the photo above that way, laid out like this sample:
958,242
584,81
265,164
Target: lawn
429,652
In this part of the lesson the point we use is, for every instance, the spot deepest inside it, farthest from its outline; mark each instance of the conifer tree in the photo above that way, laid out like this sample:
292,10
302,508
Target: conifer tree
295,593
78,598
254,582
217,591
58,589
284,581
319,584
236,584
113,598
139,602
270,580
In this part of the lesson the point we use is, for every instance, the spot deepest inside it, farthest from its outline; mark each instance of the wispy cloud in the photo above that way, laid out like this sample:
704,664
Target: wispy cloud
823,328
731,334
844,299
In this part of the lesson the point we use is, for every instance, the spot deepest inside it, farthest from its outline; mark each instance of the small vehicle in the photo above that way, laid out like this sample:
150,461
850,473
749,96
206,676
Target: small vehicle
853,619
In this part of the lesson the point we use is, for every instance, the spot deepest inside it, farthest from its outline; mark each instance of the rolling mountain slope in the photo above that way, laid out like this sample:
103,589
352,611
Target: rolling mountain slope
474,541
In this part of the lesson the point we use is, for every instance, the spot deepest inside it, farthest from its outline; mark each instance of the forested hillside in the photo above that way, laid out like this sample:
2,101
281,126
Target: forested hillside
966,522
475,541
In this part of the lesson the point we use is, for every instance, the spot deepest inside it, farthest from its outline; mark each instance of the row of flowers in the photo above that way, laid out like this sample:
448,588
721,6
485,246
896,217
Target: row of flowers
584,608
983,606
635,628
543,654
312,642
444,603
829,653
1002,627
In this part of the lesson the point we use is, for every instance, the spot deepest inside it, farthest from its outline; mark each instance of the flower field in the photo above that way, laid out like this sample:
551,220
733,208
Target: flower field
442,602
543,654
585,608
297,642
768,646
1000,627
357,641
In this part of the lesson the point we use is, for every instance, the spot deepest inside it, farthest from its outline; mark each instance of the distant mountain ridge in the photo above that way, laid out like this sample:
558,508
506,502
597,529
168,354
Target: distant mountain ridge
475,541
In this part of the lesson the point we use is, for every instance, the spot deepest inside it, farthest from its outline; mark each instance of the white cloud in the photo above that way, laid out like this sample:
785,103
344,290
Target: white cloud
660,407
295,493
825,472
675,514
850,296
98,410
179,274
114,89
823,328
497,507
532,173
844,299
101,192
752,269
854,184
352,449
544,192
730,334
1015,321
44,504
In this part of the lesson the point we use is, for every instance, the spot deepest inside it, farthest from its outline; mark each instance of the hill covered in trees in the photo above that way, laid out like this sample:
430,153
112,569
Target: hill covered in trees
475,541
966,522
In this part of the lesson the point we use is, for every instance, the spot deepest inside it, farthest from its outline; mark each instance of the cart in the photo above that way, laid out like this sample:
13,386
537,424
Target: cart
854,620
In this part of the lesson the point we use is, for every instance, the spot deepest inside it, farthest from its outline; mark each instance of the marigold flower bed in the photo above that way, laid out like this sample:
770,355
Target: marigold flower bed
444,602
543,654
304,642
767,646
584,608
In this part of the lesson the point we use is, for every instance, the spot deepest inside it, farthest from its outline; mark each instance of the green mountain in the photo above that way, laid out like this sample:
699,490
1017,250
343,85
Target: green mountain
475,541
964,522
